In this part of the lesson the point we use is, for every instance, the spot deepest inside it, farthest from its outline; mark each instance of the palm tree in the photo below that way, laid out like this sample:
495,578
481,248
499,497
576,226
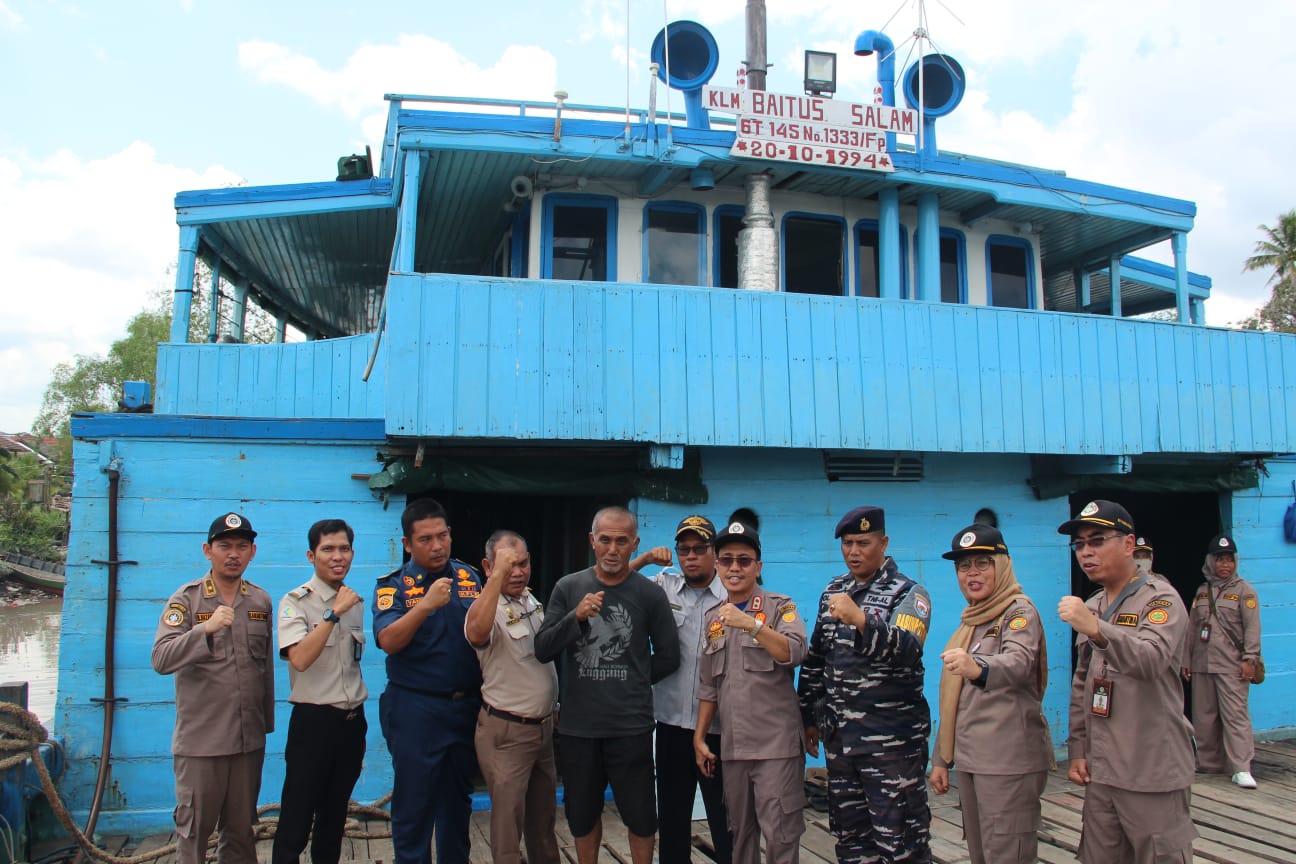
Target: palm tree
1277,251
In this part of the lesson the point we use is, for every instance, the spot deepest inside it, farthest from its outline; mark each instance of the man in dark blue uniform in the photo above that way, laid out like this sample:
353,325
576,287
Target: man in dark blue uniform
429,709
861,692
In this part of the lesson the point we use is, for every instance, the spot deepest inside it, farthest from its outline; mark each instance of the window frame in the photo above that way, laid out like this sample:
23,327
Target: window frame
717,212
1010,241
813,217
678,207
554,200
875,225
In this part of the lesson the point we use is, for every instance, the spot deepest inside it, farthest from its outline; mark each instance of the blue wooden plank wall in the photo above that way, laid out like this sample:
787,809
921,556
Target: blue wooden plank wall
1268,562
296,379
530,359
170,491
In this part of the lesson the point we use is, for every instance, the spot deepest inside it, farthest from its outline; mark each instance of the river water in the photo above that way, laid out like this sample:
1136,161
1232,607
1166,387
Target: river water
29,645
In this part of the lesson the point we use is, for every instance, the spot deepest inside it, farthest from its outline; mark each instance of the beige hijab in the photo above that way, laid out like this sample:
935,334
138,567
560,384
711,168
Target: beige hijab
1006,592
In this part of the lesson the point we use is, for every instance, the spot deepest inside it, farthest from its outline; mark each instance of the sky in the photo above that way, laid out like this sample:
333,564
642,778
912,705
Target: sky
121,105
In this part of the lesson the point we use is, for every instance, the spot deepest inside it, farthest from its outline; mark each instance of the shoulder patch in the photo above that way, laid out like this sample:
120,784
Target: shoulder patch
1251,601
921,606
1127,619
1159,603
1017,623
1158,616
174,615
386,597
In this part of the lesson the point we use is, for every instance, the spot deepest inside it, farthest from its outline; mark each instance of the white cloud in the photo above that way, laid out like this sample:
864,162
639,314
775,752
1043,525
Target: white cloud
84,243
8,17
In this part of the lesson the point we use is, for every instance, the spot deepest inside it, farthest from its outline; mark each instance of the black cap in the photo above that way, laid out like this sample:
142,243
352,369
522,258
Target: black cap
1222,544
1100,514
1141,544
737,532
699,525
862,520
976,539
230,524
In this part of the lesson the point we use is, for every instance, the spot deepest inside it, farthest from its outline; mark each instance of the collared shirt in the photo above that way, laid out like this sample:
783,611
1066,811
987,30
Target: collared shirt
224,682
1236,617
675,700
513,680
334,678
438,658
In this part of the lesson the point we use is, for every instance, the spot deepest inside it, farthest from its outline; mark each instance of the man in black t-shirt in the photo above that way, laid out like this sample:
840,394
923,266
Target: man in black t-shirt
616,631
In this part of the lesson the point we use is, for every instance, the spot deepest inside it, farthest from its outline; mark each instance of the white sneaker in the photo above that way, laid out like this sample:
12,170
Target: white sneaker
1244,780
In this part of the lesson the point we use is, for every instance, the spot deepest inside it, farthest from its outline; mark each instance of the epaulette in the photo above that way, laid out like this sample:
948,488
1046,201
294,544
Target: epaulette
299,593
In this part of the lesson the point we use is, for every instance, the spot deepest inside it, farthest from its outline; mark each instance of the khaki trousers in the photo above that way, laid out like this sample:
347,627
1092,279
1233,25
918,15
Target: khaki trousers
1001,816
766,796
1222,723
517,761
217,793
1123,827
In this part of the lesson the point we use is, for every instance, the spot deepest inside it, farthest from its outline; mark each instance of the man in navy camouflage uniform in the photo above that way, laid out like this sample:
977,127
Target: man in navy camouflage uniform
861,693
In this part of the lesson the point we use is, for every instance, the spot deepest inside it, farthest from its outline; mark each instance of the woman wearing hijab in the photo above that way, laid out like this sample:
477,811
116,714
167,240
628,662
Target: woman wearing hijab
991,726
1225,644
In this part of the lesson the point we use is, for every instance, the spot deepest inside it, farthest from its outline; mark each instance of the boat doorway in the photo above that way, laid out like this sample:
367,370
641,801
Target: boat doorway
555,527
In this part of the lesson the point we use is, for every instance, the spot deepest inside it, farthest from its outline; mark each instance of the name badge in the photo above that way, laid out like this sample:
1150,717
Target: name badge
1100,702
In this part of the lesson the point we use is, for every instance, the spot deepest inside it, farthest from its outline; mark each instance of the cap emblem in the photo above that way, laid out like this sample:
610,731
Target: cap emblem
864,525
1090,509
967,539
233,521
736,528
1223,541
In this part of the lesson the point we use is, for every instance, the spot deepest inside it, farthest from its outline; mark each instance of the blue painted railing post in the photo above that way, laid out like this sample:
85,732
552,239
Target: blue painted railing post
1113,269
1179,243
1198,310
182,301
889,244
281,329
238,315
406,224
929,288
1083,289
213,307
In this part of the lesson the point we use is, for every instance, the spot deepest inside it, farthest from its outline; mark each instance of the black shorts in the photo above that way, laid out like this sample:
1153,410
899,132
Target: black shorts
588,765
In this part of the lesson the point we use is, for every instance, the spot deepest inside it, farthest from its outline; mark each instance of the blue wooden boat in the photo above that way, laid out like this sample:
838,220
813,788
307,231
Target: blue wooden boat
531,310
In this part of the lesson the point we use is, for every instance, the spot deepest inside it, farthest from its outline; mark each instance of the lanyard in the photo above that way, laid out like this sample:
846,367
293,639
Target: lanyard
1132,586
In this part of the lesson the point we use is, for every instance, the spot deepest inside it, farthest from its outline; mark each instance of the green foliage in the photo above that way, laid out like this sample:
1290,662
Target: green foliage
1276,252
27,529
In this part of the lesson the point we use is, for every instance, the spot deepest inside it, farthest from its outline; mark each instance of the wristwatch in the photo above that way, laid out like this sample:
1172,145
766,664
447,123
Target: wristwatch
331,617
755,631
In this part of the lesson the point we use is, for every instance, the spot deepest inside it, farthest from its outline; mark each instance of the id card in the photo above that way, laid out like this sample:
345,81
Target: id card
1204,635
1100,702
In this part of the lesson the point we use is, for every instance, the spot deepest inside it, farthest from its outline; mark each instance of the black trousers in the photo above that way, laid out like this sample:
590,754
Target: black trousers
677,778
323,756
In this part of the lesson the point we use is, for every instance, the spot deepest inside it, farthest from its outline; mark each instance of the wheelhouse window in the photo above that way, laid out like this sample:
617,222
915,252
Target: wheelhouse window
953,266
579,238
674,244
868,266
814,259
1010,276
728,222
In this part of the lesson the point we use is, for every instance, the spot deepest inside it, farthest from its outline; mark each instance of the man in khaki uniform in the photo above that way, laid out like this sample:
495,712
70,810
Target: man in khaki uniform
1130,744
514,737
1225,641
321,635
215,637
754,642
995,673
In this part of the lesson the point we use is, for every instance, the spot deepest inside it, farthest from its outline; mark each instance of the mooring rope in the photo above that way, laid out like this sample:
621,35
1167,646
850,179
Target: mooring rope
21,735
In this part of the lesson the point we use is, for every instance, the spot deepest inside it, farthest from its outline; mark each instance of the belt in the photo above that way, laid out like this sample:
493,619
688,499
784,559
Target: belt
453,695
347,713
514,718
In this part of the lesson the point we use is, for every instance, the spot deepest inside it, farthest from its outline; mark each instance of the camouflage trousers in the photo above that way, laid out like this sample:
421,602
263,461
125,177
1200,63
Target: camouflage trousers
877,807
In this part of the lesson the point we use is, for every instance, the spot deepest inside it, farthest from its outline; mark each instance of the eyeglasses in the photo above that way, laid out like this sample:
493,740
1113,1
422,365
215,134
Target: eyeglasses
981,562
743,561
700,549
1095,542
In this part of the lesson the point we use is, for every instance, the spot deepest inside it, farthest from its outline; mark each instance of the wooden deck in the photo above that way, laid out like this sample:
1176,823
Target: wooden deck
1236,826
